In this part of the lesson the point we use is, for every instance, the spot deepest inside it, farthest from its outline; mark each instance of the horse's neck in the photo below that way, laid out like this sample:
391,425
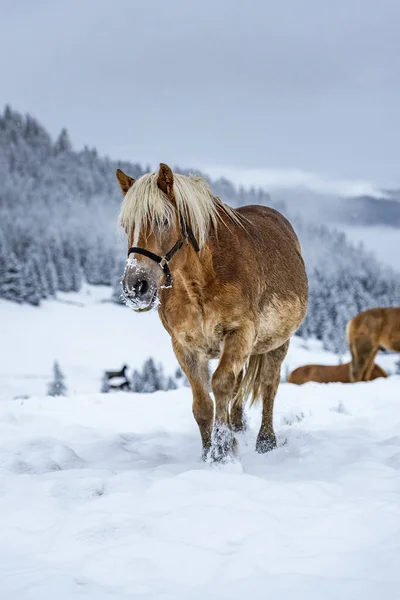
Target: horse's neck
192,280
198,271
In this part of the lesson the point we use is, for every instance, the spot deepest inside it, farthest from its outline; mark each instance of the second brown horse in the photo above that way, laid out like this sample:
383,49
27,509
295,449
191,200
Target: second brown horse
366,333
329,374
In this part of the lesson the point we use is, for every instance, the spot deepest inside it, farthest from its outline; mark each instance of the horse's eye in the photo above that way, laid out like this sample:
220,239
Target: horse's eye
165,223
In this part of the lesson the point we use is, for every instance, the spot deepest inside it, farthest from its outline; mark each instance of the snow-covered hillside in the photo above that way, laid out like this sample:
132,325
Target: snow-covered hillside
103,496
383,242
87,334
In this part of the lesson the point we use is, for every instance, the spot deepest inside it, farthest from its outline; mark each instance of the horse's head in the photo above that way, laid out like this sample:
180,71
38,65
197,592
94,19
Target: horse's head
151,221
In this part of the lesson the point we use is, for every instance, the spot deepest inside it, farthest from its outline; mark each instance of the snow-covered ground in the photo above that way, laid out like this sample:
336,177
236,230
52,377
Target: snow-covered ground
103,496
88,334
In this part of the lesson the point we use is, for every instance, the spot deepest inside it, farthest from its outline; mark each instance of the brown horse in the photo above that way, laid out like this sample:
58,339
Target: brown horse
328,374
229,284
366,333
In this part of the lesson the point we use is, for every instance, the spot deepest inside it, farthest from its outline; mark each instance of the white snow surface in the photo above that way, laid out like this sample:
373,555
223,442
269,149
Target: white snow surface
104,496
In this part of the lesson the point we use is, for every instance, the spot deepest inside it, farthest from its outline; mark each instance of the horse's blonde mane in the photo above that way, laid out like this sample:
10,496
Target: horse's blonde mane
144,202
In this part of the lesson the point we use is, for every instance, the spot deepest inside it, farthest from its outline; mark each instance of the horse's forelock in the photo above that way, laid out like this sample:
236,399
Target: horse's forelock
145,202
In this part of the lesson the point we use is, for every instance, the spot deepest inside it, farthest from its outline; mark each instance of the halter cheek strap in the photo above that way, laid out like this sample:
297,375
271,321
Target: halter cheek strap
164,260
188,233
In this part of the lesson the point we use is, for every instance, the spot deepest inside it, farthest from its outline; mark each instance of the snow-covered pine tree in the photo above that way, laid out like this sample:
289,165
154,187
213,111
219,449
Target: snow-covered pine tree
117,281
180,378
32,293
153,376
50,273
63,142
12,279
151,379
39,273
100,264
57,386
71,256
105,386
137,383
170,383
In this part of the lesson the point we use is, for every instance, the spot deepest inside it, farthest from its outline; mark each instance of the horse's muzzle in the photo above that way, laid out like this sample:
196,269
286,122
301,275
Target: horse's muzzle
141,296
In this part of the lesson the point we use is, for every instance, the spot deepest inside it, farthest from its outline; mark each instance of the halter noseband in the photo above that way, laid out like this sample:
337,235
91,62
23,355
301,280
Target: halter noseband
164,260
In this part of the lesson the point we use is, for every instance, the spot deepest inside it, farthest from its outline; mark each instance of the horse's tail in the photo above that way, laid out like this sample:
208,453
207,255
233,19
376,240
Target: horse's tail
250,384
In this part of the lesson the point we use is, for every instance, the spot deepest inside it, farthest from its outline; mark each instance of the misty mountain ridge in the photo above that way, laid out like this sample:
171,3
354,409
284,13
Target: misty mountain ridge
319,198
365,210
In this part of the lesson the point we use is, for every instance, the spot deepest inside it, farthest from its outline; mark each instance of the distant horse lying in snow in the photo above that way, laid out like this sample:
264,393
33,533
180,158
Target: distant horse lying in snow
366,333
329,374
229,284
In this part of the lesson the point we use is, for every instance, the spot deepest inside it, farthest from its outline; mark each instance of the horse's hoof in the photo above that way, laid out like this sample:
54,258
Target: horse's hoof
223,445
221,455
265,443
205,454
240,427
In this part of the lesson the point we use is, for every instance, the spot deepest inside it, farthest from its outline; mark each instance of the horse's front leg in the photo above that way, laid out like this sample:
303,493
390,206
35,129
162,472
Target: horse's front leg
196,370
236,350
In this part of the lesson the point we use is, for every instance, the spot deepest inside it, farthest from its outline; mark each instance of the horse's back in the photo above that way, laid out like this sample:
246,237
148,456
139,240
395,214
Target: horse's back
269,245
300,375
317,373
273,221
329,374
321,374
391,329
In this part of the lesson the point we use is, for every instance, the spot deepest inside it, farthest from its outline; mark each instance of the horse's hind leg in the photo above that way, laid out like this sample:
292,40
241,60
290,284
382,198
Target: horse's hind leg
370,365
363,351
237,417
271,372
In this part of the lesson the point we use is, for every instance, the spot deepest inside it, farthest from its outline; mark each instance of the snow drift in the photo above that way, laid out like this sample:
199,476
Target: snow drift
103,496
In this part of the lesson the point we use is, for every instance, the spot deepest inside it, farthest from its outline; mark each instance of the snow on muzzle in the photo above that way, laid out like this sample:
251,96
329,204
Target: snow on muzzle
140,284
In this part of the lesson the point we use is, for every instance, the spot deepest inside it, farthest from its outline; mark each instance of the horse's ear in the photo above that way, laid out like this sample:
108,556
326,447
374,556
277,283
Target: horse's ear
124,181
165,180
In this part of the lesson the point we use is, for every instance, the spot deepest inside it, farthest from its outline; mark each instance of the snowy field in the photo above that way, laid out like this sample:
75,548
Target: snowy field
103,496
85,332
88,334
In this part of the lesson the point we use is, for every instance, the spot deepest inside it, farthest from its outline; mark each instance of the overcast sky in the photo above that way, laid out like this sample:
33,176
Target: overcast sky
306,85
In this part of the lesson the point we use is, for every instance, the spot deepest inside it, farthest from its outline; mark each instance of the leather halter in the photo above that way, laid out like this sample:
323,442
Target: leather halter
163,261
